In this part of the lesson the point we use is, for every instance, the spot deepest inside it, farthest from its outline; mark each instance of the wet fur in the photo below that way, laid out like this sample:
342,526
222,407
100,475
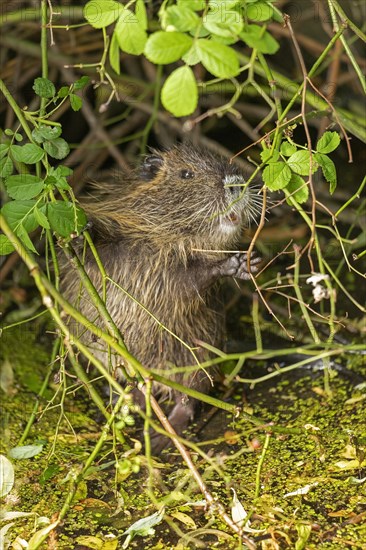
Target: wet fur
160,237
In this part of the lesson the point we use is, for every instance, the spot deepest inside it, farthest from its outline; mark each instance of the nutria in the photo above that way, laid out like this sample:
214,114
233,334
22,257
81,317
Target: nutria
164,233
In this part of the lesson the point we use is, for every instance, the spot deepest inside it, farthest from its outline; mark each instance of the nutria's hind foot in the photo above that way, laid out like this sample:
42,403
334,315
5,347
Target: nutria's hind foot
237,265
179,418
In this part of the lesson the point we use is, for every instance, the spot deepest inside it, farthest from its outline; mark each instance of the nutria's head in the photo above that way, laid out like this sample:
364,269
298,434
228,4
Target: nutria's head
186,196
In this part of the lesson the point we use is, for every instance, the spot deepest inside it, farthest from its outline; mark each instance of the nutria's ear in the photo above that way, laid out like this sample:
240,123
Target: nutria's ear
151,166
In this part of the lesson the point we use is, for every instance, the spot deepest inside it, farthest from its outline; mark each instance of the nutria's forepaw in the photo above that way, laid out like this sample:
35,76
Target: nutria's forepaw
237,265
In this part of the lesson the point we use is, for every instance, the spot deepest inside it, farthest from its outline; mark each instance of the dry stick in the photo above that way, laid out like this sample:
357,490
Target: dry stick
250,249
212,503
332,82
311,241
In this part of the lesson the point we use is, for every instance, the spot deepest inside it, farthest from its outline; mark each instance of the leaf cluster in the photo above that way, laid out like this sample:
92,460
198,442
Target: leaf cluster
287,167
192,32
34,204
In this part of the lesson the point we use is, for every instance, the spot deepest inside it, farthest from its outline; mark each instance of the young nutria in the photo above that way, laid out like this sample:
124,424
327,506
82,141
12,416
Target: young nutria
164,234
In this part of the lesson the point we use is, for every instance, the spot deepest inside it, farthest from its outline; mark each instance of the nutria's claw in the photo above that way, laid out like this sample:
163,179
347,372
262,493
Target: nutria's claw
237,265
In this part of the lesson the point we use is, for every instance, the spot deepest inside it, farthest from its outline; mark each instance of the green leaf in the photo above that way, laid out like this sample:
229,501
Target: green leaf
191,57
75,102
41,218
114,54
328,142
101,13
24,186
44,87
130,33
66,218
223,22
276,175
20,212
81,82
257,38
328,169
24,237
4,148
6,167
5,248
259,11
298,189
25,451
141,14
57,148
196,5
46,133
218,59
28,153
166,47
59,176
299,162
266,155
179,94
18,137
63,91
8,132
180,18
288,149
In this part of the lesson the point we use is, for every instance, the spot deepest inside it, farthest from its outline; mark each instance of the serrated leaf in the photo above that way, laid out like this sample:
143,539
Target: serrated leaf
218,59
298,189
179,94
5,247
196,5
180,18
23,186
4,148
6,167
65,218
44,133
76,102
114,54
299,163
166,47
57,148
63,92
28,153
288,149
44,87
24,237
6,473
101,13
259,11
256,37
41,218
191,57
328,142
328,169
267,155
140,11
130,33
276,175
16,212
223,22
81,82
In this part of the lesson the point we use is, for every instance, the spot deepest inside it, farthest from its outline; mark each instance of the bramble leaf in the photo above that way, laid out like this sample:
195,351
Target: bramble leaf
179,94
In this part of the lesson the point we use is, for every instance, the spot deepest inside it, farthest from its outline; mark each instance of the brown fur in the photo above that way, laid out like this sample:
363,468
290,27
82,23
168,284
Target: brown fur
162,233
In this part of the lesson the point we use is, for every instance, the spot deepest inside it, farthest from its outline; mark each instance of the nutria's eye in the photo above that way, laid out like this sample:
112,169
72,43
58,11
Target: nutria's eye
186,174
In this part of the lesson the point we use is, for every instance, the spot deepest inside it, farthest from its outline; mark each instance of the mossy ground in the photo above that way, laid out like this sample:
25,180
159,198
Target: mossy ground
326,454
